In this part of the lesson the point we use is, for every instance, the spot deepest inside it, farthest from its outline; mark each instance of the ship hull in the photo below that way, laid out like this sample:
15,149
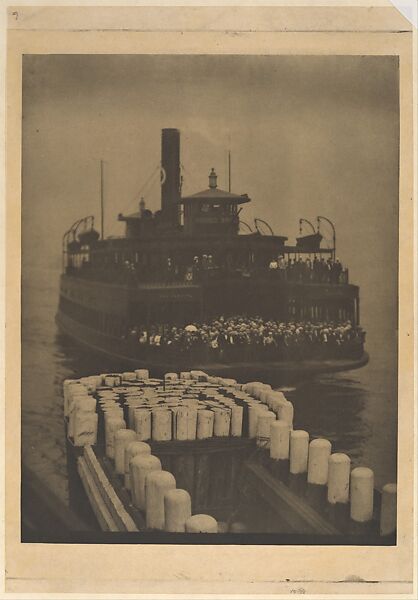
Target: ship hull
118,356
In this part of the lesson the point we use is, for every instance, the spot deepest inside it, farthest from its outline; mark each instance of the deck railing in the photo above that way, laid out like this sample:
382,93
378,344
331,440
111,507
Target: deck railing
136,276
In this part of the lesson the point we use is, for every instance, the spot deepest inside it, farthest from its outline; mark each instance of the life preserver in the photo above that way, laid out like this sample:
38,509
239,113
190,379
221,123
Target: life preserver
163,175
189,276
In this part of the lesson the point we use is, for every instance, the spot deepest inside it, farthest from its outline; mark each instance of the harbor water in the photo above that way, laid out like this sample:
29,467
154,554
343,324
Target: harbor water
356,410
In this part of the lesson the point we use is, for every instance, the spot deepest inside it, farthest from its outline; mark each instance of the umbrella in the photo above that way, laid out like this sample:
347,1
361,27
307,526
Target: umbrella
190,328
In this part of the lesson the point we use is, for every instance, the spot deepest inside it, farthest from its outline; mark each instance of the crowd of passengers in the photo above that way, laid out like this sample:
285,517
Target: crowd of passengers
251,338
308,270
317,270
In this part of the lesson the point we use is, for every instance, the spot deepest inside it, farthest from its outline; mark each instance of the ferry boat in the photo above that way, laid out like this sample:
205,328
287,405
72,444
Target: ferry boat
195,263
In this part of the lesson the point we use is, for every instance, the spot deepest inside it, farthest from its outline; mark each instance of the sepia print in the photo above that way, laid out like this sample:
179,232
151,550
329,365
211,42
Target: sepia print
212,242
203,230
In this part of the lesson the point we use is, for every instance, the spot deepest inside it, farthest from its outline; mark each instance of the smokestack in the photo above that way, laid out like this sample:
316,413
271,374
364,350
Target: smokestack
170,188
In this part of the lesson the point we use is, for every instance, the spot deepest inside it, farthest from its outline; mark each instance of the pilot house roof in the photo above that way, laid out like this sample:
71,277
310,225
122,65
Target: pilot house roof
214,194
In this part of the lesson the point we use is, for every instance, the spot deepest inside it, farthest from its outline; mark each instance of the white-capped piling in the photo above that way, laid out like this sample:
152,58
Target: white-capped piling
361,494
185,375
128,376
258,389
180,417
299,445
112,425
201,524
83,421
111,411
388,509
112,380
228,381
254,411
338,478
170,377
318,459
177,509
222,422
142,421
205,420
69,387
273,400
265,420
133,403
279,440
251,386
88,383
236,420
161,424
142,374
184,420
79,403
157,483
140,466
133,449
85,428
122,438
198,375
285,412
264,395
191,423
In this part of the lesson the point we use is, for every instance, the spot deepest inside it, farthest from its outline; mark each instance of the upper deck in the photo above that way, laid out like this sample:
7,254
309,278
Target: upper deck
196,252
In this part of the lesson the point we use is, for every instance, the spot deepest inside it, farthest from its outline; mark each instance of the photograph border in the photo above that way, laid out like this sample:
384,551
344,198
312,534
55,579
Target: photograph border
200,569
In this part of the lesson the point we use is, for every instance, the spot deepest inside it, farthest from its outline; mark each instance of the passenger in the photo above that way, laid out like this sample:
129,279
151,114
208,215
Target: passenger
196,269
316,268
281,263
170,270
338,270
273,266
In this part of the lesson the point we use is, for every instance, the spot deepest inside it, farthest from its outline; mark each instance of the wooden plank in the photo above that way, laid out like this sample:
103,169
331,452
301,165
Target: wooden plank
97,503
123,494
113,502
292,509
200,495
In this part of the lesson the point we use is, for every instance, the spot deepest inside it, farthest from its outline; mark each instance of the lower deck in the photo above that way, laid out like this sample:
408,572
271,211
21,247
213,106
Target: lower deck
120,353
114,308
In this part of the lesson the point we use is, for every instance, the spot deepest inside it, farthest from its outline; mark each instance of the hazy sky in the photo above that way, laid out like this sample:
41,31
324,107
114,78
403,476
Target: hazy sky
309,136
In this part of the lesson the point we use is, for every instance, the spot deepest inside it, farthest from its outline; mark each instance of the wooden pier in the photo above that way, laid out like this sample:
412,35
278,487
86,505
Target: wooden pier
276,484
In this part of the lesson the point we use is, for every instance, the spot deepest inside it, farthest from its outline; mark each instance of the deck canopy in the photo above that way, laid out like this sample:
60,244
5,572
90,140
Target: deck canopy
309,243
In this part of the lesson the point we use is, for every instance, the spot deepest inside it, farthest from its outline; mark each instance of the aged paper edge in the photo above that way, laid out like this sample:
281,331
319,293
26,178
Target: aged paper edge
322,16
33,558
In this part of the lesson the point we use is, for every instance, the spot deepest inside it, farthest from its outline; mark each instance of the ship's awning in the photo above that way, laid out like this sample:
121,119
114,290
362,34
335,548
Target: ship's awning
310,242
216,195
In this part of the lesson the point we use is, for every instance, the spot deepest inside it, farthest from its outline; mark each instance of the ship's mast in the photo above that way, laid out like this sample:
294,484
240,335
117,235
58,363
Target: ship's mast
101,201
229,170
